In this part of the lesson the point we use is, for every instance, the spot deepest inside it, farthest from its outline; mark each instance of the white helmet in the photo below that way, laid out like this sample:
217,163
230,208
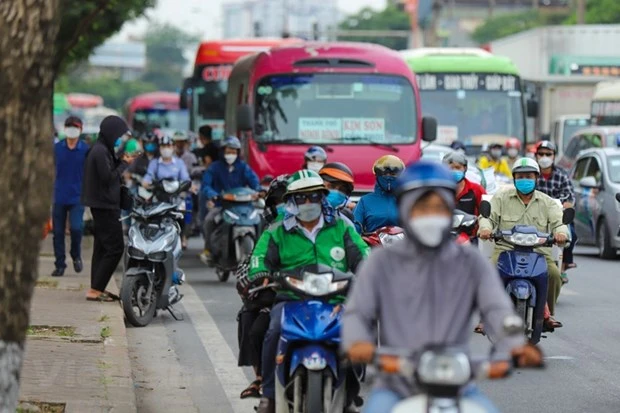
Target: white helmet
525,165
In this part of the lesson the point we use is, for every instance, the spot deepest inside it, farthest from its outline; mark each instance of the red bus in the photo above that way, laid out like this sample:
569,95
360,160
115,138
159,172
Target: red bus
358,101
204,94
84,100
148,110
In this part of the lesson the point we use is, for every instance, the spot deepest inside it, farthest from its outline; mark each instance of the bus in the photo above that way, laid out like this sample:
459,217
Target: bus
605,109
358,101
476,97
204,93
156,110
84,100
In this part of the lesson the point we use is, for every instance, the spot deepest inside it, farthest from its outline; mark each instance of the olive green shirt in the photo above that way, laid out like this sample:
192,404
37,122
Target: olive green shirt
508,210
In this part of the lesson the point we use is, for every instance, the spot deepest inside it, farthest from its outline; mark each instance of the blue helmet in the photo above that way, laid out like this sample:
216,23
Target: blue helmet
315,154
231,142
425,174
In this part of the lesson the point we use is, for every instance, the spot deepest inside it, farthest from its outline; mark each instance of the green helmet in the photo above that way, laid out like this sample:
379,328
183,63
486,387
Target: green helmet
305,180
132,146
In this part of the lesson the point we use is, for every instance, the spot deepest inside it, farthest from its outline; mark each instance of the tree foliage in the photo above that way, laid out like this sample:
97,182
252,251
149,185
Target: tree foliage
508,24
600,12
390,18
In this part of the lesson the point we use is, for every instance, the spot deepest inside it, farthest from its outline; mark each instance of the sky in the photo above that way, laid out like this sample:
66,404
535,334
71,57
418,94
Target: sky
203,17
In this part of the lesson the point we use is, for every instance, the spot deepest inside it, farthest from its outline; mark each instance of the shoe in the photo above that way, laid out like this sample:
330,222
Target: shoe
266,406
58,272
564,278
206,258
78,266
550,324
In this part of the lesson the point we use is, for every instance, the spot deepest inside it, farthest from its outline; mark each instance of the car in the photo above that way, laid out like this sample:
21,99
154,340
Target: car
594,137
596,177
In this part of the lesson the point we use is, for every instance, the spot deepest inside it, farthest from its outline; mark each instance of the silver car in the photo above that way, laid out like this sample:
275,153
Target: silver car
596,176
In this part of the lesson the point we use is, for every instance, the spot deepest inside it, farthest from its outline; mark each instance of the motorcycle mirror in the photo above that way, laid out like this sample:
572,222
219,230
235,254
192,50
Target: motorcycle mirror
568,216
485,209
185,186
618,197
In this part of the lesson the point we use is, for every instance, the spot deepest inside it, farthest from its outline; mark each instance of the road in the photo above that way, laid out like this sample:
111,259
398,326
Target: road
190,365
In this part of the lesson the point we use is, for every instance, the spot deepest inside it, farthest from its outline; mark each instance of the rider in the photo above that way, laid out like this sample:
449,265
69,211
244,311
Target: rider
434,286
181,147
525,205
555,182
458,146
378,209
513,148
495,161
141,164
226,173
314,158
339,181
309,234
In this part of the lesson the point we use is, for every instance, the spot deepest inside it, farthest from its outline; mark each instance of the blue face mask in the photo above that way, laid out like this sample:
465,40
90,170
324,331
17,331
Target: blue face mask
458,175
525,186
336,198
281,208
150,147
386,182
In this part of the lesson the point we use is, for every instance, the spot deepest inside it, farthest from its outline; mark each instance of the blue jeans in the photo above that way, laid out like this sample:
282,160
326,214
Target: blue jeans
384,400
59,218
270,348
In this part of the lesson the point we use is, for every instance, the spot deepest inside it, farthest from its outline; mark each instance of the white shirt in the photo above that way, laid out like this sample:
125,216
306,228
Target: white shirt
311,235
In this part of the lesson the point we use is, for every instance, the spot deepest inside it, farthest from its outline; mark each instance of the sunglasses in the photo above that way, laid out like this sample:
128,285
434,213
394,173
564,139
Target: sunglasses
314,197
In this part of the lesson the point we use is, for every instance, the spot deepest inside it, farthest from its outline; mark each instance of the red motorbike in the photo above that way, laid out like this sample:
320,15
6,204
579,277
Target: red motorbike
383,236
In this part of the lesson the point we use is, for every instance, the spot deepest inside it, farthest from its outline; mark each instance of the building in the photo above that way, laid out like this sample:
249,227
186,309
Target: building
124,59
272,18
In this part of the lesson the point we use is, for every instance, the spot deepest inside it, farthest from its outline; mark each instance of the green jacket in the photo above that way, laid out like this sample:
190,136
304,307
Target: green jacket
284,246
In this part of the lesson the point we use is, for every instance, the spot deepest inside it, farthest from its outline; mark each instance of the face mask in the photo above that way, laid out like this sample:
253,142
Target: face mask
280,208
336,198
315,166
525,186
458,175
545,162
513,152
430,230
308,212
386,182
230,158
72,132
150,147
496,153
166,152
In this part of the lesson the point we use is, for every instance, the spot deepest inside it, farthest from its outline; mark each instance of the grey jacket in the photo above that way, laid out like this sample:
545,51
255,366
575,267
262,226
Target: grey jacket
422,297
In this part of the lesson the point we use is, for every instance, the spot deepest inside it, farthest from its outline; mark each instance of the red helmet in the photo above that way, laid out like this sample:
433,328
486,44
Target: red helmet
513,143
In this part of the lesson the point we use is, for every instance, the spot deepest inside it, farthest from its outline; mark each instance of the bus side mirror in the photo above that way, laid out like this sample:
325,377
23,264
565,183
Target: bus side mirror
245,118
568,215
185,92
532,108
618,197
485,209
429,129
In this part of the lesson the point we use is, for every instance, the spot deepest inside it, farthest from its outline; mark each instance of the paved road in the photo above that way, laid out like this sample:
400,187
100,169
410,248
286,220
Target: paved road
197,365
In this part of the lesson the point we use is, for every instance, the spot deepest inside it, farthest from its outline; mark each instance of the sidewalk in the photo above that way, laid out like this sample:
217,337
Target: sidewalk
76,351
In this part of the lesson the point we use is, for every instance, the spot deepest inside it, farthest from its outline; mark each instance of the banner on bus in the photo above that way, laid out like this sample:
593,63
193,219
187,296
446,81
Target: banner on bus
468,81
316,129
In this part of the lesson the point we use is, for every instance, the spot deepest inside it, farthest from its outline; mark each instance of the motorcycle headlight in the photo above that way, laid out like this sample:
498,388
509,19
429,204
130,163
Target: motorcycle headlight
157,256
444,369
253,214
231,214
170,187
388,239
135,253
525,240
317,284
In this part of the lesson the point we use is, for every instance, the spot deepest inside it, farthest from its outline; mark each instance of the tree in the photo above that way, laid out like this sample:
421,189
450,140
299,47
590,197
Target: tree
37,39
600,12
390,18
508,24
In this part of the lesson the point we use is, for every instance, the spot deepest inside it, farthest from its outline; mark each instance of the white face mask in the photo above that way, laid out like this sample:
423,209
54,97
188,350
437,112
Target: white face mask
430,229
309,212
166,152
513,152
545,162
72,132
315,166
230,158
496,153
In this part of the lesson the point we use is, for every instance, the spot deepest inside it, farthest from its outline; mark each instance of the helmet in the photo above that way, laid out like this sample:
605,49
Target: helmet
132,146
338,172
546,145
513,143
305,181
165,140
179,136
455,157
316,154
425,174
388,164
525,165
458,145
276,191
231,142
495,145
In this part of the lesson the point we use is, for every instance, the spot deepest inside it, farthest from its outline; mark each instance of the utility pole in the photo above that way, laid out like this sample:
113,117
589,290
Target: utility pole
581,11
411,7
285,28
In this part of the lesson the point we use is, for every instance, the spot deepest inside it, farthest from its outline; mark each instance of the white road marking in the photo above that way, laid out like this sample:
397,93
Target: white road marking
568,291
559,358
222,358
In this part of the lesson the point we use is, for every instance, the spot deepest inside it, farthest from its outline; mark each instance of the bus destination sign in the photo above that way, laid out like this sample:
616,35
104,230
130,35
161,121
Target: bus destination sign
468,81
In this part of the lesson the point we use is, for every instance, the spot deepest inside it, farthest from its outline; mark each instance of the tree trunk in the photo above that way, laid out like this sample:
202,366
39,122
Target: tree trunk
27,32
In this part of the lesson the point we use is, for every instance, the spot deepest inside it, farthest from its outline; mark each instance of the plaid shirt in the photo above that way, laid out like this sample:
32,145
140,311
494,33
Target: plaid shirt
558,186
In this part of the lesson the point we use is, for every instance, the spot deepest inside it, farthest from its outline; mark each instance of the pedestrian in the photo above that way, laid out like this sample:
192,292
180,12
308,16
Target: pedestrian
69,156
103,172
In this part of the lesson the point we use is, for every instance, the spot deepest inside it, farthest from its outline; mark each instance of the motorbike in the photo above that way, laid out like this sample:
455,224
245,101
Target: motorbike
524,271
237,229
152,252
462,225
310,376
383,236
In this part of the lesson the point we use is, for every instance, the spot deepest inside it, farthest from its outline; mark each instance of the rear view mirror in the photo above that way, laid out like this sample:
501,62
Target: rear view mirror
532,108
588,182
185,186
185,93
485,209
429,129
245,118
618,197
568,216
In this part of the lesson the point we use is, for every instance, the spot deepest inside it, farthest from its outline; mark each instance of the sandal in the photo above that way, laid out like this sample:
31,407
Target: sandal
103,297
253,390
479,329
571,265
550,324
564,278
112,295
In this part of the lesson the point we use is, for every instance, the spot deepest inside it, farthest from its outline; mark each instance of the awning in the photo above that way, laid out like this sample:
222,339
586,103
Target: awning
568,65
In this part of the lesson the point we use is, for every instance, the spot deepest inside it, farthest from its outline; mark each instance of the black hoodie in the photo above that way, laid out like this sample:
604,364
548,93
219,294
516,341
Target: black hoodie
102,169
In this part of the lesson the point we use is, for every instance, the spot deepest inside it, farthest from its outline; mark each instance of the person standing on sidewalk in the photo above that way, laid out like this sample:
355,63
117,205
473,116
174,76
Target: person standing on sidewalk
69,157
103,173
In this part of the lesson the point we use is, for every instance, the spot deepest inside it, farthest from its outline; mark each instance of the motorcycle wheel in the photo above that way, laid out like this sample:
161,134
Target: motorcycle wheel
314,392
246,245
222,275
133,296
521,310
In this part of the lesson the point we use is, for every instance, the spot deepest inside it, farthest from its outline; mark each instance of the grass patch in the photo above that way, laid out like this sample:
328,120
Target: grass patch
103,318
46,282
44,407
105,332
58,331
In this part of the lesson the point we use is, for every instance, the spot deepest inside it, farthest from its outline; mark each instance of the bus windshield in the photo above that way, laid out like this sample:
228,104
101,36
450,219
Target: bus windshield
209,98
335,108
146,119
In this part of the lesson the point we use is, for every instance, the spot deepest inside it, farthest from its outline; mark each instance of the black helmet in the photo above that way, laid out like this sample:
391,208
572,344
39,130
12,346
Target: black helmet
165,140
276,191
547,145
337,172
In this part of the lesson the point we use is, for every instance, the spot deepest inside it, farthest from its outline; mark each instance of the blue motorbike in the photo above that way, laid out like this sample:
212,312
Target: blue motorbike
524,271
238,228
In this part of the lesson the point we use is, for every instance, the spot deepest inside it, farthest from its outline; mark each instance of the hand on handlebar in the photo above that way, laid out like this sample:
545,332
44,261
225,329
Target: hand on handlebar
485,234
361,352
560,238
210,204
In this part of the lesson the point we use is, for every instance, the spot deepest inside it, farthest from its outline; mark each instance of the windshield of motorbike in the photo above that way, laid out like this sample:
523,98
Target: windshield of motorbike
571,126
469,107
613,163
147,119
330,108
209,98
